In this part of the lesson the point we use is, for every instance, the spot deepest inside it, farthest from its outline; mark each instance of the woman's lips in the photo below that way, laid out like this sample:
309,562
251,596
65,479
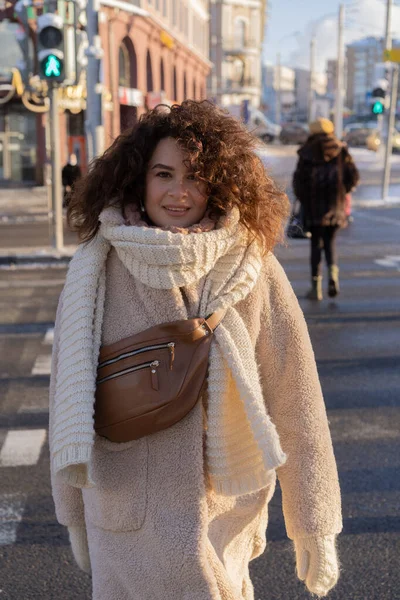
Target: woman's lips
176,211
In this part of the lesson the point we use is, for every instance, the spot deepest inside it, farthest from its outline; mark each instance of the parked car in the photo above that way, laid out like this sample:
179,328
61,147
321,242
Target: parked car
356,134
374,141
258,123
294,133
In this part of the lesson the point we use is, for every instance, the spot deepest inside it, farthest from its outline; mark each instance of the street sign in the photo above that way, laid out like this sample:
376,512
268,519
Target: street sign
392,55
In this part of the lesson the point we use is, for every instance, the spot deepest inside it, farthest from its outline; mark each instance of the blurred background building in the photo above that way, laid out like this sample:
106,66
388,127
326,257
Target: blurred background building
362,57
236,36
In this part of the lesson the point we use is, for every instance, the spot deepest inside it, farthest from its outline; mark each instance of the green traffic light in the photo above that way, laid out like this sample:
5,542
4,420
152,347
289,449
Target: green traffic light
377,108
52,66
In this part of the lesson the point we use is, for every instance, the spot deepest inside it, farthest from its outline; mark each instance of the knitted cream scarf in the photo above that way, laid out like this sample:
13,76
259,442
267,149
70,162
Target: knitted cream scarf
242,442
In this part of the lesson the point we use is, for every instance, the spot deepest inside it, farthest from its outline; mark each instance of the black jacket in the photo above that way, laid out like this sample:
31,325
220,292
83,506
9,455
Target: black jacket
70,174
325,173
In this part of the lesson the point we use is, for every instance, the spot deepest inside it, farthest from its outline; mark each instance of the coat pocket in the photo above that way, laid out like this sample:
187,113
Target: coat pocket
118,502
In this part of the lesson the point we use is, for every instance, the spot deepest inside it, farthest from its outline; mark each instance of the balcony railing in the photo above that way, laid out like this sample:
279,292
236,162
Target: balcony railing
231,84
233,46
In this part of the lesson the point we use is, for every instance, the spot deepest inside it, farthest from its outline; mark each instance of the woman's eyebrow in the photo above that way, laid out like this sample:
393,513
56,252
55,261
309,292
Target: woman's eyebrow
161,166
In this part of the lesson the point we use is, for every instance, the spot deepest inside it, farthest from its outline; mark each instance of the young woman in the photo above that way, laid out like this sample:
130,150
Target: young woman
322,182
178,219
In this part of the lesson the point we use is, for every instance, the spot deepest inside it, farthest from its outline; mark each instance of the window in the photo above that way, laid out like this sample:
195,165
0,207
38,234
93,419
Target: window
239,33
149,73
175,85
162,75
124,66
127,64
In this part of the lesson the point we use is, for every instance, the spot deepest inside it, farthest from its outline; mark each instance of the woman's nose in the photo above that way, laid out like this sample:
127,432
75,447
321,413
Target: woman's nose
179,189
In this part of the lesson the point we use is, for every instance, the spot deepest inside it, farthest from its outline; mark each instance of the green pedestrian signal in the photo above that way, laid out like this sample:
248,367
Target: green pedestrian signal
378,108
52,66
50,47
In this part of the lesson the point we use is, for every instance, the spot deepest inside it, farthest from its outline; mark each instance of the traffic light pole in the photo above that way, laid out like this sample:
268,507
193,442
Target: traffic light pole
389,143
339,76
387,128
56,191
94,122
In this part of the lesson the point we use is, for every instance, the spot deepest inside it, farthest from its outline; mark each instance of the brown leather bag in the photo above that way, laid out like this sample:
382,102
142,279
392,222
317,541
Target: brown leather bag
150,381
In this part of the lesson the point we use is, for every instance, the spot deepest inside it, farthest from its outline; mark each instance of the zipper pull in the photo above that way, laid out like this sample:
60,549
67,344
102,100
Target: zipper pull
171,347
153,372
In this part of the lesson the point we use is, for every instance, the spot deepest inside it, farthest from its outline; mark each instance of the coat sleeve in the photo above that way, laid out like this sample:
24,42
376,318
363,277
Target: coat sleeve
309,479
351,175
67,499
297,180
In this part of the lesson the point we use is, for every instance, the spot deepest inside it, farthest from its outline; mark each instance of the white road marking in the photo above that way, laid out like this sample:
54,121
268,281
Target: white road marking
49,337
22,447
42,365
11,511
391,262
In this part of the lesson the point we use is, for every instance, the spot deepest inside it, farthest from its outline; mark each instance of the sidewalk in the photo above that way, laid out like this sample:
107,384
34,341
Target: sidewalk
23,204
34,257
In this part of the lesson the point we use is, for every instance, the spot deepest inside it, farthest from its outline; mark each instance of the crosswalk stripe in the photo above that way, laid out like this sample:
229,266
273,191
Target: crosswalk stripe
22,447
389,261
42,365
11,511
49,337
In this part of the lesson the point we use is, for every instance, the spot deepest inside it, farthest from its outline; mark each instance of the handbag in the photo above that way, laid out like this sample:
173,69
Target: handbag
296,229
150,381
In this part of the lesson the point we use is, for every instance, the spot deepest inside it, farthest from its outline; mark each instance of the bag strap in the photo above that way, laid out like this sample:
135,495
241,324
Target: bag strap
215,319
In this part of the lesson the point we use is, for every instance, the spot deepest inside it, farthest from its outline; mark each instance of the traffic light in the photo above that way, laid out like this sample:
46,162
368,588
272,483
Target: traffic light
378,97
50,47
378,107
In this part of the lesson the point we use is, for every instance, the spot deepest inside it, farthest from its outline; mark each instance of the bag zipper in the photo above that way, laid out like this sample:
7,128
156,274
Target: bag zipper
153,370
169,345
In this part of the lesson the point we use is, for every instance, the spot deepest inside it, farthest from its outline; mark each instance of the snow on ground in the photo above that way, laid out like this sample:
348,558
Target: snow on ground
272,154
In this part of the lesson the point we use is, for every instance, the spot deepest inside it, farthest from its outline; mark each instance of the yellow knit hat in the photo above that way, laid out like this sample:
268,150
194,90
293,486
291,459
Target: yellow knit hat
321,126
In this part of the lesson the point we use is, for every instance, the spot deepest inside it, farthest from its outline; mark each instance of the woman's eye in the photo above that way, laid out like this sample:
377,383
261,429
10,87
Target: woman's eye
163,174
192,177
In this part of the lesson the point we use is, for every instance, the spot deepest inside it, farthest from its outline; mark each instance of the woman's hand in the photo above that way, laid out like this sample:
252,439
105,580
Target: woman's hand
317,563
80,547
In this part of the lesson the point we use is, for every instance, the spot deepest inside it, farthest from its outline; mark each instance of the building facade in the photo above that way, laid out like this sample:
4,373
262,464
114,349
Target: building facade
154,51
236,35
361,57
320,105
278,93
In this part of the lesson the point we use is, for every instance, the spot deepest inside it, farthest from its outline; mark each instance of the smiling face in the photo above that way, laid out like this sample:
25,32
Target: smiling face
173,194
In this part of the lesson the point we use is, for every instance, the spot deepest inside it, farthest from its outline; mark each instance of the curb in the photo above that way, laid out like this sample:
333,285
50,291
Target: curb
50,257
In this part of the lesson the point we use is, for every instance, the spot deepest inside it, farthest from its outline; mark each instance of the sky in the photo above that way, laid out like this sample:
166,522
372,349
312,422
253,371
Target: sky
291,24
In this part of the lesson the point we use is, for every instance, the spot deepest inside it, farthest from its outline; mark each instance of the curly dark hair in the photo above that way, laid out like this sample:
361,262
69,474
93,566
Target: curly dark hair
221,152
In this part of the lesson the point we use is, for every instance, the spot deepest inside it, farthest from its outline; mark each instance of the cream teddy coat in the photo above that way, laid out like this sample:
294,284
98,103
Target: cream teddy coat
156,530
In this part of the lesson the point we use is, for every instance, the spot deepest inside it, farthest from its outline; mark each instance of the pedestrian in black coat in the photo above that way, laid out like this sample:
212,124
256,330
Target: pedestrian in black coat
324,176
71,172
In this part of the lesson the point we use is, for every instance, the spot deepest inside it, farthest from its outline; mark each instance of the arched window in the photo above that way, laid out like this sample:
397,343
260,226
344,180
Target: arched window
124,66
175,85
149,73
127,78
127,64
162,76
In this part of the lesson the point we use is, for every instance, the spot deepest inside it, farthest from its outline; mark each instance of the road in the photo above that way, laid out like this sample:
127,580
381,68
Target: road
356,340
